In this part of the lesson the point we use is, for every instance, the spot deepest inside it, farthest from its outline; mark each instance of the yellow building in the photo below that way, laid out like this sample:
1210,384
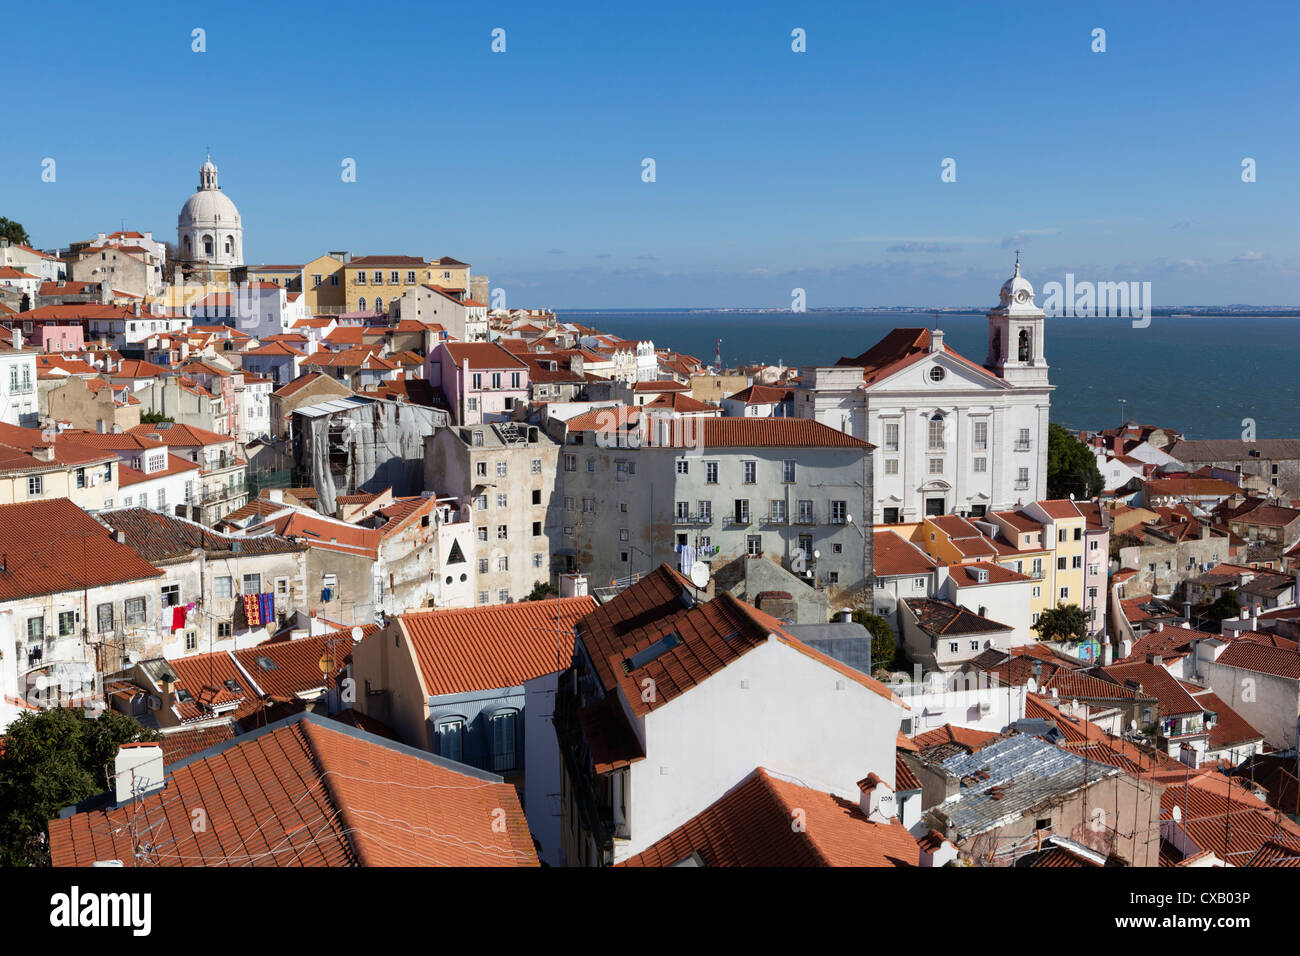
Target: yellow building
288,278
1031,556
323,284
371,283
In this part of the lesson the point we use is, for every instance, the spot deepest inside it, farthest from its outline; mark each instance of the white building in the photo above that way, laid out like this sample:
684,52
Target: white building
950,435
209,231
18,401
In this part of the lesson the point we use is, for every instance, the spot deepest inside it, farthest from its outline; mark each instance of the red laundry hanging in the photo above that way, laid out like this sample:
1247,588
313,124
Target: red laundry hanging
251,616
178,618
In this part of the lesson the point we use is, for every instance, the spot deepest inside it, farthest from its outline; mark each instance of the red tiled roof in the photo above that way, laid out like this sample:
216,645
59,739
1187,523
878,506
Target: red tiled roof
482,355
894,556
905,778
965,737
663,385
53,546
178,745
965,574
1279,661
295,664
179,434
750,826
501,645
1172,700
308,791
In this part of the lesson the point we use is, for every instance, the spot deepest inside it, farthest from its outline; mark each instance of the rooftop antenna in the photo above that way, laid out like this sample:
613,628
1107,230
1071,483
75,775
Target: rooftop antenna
1122,419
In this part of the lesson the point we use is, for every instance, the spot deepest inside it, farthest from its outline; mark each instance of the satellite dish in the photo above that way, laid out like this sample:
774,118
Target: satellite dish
700,574
1031,686
356,634
816,555
1133,725
1177,813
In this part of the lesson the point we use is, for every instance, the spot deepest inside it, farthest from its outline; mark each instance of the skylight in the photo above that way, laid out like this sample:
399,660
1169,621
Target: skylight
660,647
266,663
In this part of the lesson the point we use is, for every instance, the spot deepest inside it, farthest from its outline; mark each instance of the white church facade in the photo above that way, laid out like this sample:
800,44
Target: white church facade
951,436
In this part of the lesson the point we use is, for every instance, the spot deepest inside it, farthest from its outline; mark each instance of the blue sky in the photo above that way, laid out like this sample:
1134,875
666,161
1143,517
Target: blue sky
774,169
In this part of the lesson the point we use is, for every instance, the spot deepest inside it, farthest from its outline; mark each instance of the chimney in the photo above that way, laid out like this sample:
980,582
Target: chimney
137,770
105,294
277,495
1158,660
936,340
1245,613
1160,625
1254,618
876,799
573,585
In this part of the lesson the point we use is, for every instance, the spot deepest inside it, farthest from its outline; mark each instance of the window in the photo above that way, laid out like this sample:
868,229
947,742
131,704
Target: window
622,507
981,436
1092,545
749,472
891,466
683,510
891,437
67,623
776,511
191,641
1060,564
81,477
171,595
754,545
379,277
252,584
501,532
936,433
591,464
588,505
482,597
1022,442
504,734
503,595
568,503
223,587
394,277
537,529
1065,593
535,467
224,629
476,382
974,645
501,500
410,277
1038,592
537,560
133,611
710,472
482,565
104,618
936,373
35,486
839,512
622,534
1076,562
496,379
805,511
315,279
741,511
480,469
537,496
953,647
1078,533
481,502
334,279
705,509
35,629
1022,477
450,732
936,466
787,471
361,303
683,466
503,563
501,469
981,465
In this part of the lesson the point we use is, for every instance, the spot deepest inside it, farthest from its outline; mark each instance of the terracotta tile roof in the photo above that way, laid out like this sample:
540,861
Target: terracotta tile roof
385,261
127,476
905,778
325,533
762,395
275,348
53,546
289,669
309,791
940,617
501,645
160,537
968,738
1279,661
681,402
482,355
1060,508
178,434
1230,728
1191,487
1221,815
894,556
284,391
610,739
214,686
750,826
966,575
1172,699
1020,521
136,368
662,385
181,744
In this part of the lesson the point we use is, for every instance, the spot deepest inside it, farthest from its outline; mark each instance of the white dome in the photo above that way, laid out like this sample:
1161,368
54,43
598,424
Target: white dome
1013,288
209,207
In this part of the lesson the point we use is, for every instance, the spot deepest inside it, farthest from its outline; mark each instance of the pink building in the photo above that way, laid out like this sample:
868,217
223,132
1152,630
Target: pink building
1096,560
59,338
481,381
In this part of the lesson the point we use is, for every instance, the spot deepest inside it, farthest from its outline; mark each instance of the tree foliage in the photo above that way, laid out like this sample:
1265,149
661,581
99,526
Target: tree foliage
153,418
884,646
53,759
14,232
1065,622
541,591
1071,466
1225,607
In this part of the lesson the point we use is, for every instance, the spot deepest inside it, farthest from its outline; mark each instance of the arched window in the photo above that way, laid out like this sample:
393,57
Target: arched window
189,246
936,432
228,245
379,304
207,245
361,303
1024,345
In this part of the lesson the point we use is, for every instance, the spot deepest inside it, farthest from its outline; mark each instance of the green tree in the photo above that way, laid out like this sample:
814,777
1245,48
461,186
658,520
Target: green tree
53,759
1071,467
14,232
541,591
153,418
1225,606
884,646
1065,622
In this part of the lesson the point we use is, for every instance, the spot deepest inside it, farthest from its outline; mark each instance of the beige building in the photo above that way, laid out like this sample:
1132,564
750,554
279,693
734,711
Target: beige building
322,284
506,475
36,468
92,404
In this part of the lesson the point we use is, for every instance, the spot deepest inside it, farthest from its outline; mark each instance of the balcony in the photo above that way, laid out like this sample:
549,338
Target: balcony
776,519
738,520
1022,445
805,517
701,518
1021,486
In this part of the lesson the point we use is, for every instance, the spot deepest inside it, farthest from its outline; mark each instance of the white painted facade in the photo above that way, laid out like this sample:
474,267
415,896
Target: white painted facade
699,745
18,400
950,436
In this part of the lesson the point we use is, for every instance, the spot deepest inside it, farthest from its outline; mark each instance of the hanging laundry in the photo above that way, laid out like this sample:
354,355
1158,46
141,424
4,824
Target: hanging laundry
178,618
252,617
688,558
266,607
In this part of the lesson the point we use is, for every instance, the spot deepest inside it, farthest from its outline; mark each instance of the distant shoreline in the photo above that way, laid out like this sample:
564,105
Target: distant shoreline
1181,312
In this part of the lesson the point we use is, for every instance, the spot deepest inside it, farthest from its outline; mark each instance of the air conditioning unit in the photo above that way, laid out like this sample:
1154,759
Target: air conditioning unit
155,702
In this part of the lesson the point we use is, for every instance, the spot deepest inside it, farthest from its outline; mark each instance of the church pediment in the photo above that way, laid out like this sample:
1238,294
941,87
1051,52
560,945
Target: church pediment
937,373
